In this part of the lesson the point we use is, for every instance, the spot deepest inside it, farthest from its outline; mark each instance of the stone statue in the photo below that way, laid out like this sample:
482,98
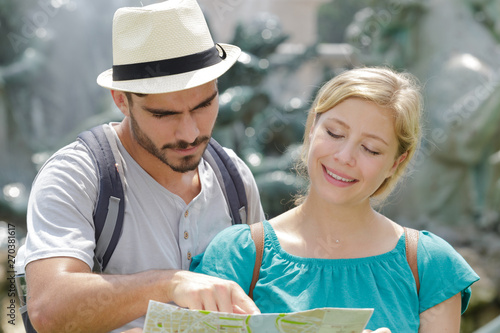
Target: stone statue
20,62
251,121
457,60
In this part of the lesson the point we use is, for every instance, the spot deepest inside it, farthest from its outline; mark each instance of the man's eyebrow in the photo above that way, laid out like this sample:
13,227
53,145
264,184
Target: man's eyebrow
206,102
161,112
165,112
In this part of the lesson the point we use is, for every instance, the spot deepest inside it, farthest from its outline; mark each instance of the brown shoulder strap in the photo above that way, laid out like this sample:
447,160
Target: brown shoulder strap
411,240
257,231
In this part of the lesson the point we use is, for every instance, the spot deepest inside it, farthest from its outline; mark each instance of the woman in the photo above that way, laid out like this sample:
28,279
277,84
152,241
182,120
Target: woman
334,249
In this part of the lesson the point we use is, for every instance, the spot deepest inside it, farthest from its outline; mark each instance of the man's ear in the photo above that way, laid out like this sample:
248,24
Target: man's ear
121,101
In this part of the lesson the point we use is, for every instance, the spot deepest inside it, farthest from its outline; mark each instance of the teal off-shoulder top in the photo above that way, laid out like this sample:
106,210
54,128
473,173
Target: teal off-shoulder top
288,283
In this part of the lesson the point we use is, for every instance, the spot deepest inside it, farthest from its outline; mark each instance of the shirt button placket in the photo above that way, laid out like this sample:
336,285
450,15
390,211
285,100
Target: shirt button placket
186,235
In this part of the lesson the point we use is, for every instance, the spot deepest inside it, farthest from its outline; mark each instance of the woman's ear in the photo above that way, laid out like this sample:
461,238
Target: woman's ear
121,101
311,129
397,162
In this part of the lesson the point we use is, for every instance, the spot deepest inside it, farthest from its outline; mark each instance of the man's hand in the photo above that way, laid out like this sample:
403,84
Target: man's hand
204,292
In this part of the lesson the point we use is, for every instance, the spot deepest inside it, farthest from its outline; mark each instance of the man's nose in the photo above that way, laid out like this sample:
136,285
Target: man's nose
187,129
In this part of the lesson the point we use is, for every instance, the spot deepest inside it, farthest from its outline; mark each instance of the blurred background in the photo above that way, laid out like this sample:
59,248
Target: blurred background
51,52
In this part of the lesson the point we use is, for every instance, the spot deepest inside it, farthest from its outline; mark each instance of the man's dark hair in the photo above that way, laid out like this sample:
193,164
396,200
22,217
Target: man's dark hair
129,97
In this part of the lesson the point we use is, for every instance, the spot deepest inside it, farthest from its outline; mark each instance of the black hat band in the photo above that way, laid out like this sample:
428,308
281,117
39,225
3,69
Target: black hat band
150,69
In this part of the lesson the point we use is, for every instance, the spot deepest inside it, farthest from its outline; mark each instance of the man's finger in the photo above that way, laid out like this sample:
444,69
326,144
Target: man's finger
238,310
208,302
244,303
223,298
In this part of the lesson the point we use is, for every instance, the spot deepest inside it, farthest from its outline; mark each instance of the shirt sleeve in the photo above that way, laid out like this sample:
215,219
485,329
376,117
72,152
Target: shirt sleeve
443,272
60,207
230,255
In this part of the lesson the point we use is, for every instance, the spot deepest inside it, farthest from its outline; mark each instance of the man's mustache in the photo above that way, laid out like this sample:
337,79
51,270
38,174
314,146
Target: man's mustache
185,144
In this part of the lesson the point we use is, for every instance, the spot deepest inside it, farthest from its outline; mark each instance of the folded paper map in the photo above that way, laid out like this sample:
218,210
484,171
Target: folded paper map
163,317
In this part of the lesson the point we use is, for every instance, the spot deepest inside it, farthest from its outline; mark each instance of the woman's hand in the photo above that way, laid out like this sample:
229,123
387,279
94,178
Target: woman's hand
380,330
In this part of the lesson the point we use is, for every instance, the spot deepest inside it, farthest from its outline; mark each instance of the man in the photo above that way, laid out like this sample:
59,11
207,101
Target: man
165,66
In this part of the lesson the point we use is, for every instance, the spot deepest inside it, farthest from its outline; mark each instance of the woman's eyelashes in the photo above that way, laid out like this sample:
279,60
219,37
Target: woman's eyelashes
334,135
371,151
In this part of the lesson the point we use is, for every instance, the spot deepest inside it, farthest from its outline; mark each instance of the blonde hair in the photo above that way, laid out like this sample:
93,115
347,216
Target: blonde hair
398,92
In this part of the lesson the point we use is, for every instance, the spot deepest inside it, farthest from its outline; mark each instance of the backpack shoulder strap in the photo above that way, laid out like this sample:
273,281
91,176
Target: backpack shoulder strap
110,205
257,232
411,242
229,177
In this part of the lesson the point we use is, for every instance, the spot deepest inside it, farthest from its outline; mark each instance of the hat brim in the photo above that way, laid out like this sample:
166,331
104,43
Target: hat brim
171,83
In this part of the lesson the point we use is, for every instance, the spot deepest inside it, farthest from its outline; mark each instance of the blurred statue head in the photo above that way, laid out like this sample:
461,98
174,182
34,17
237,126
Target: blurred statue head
261,36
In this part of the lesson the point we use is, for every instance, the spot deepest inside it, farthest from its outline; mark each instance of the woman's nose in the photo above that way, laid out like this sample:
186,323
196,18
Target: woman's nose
346,154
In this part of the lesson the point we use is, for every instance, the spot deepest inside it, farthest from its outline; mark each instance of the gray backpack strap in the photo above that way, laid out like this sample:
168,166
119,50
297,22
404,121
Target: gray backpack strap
230,179
26,319
110,206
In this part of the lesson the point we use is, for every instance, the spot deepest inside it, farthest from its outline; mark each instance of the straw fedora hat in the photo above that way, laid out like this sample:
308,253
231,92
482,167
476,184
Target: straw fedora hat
164,47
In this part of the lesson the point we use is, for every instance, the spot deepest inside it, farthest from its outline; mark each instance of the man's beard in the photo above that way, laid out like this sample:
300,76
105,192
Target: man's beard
187,163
